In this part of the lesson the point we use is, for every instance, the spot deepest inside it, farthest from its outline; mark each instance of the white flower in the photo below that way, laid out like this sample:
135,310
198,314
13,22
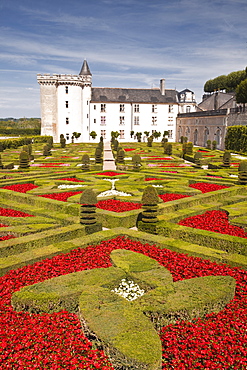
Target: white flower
69,186
128,290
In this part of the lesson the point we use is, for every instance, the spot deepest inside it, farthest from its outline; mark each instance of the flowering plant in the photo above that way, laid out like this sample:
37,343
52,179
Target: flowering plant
8,212
111,173
115,205
60,196
205,187
129,290
21,188
216,221
167,197
74,179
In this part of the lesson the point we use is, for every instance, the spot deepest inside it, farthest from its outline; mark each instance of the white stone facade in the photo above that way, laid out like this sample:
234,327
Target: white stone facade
70,104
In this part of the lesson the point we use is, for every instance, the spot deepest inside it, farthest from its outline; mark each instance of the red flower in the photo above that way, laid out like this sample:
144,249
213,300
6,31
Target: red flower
110,173
216,221
71,179
8,212
151,178
6,237
129,149
117,205
167,197
205,187
21,188
60,196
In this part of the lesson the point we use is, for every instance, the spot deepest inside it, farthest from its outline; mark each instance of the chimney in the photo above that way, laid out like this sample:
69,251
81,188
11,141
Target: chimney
162,86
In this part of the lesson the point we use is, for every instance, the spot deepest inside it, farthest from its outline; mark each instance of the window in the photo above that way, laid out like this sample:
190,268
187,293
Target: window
136,120
103,120
170,108
66,89
121,107
170,134
154,121
136,108
154,108
94,121
121,120
102,107
103,133
94,107
67,104
67,120
121,134
188,109
67,136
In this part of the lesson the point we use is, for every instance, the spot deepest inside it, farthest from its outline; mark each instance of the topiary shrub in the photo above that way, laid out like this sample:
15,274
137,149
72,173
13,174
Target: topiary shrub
150,200
24,160
208,144
98,155
197,159
214,145
136,161
150,141
226,159
189,148
115,145
46,150
120,156
88,218
63,142
242,173
168,149
85,162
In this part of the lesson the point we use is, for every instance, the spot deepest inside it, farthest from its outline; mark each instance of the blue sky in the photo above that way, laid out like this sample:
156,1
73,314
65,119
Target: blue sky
128,43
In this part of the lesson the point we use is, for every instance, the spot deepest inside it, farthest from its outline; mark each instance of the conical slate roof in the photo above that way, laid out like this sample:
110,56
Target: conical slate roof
85,71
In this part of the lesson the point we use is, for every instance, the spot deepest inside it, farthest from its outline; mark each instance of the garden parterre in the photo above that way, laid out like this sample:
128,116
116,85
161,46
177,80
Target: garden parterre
215,342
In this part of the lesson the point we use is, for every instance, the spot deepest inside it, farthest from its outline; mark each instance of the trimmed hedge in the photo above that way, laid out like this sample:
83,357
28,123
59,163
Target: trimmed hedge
126,335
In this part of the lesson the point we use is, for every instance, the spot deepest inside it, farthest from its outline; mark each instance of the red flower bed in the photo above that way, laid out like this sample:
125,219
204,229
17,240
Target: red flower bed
8,212
6,237
170,171
117,205
74,179
167,197
56,341
160,159
2,225
110,173
128,149
216,221
151,178
205,187
60,196
21,188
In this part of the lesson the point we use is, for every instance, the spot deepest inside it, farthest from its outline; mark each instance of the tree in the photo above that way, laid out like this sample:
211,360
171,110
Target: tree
156,135
146,133
76,134
241,92
93,134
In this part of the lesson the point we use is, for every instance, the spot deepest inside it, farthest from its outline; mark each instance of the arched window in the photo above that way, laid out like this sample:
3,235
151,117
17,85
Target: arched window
195,136
187,133
218,137
206,134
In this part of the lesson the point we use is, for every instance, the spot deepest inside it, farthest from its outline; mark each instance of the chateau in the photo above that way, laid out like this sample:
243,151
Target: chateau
70,104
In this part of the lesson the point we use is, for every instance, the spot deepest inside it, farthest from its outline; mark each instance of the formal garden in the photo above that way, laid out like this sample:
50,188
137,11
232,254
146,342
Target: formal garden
140,267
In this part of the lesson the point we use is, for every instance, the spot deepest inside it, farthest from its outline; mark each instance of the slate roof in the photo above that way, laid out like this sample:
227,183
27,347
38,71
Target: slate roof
121,95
